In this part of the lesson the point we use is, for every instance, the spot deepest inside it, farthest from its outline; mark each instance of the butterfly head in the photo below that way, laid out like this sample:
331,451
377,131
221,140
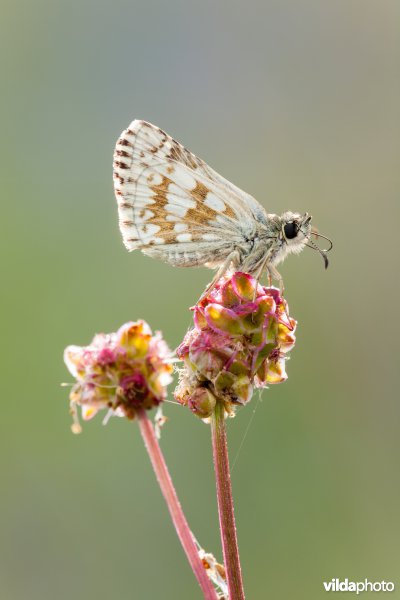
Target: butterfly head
296,233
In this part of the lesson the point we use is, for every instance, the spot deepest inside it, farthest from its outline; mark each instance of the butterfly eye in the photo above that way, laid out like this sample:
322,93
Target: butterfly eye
291,230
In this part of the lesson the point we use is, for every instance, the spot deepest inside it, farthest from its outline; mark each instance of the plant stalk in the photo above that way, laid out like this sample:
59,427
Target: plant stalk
225,505
174,507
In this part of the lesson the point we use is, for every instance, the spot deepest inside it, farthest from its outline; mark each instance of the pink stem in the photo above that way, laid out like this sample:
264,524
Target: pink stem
174,507
225,505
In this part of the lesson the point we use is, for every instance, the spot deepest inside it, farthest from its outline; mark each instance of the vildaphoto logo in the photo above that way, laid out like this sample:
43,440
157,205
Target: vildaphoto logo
337,585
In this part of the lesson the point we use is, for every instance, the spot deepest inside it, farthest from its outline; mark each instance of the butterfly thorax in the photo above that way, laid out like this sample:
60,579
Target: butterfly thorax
275,238
263,248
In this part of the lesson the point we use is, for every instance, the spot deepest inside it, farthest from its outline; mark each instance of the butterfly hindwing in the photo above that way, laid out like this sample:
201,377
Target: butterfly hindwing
172,205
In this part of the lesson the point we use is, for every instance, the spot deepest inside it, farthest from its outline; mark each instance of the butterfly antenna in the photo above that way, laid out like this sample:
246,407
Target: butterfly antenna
325,238
322,252
314,246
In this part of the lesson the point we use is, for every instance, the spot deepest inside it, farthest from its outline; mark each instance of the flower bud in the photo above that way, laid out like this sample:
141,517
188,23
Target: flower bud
202,402
242,333
120,371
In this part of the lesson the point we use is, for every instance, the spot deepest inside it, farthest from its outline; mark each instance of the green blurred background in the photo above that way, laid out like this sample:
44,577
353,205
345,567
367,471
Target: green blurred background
299,104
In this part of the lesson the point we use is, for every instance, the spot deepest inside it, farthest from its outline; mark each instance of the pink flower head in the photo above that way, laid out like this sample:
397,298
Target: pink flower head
120,371
241,335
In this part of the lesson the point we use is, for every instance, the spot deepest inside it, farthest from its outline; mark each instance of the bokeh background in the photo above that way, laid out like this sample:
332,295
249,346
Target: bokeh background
299,104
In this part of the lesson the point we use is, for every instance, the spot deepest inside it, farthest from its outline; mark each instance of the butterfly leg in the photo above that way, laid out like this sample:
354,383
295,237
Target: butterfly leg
233,258
264,265
273,273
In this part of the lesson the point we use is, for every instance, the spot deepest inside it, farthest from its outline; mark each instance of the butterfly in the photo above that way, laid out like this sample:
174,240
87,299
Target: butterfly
174,207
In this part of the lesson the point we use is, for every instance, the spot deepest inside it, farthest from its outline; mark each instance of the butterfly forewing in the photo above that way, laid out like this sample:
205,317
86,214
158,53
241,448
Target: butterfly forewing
172,205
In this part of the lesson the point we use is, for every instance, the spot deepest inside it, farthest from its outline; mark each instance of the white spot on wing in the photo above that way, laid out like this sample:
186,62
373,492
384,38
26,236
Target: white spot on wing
141,218
178,191
180,227
180,200
185,180
214,202
176,209
148,230
154,178
184,237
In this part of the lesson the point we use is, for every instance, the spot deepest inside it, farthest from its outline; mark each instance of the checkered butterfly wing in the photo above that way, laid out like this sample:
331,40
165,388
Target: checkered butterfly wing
172,205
